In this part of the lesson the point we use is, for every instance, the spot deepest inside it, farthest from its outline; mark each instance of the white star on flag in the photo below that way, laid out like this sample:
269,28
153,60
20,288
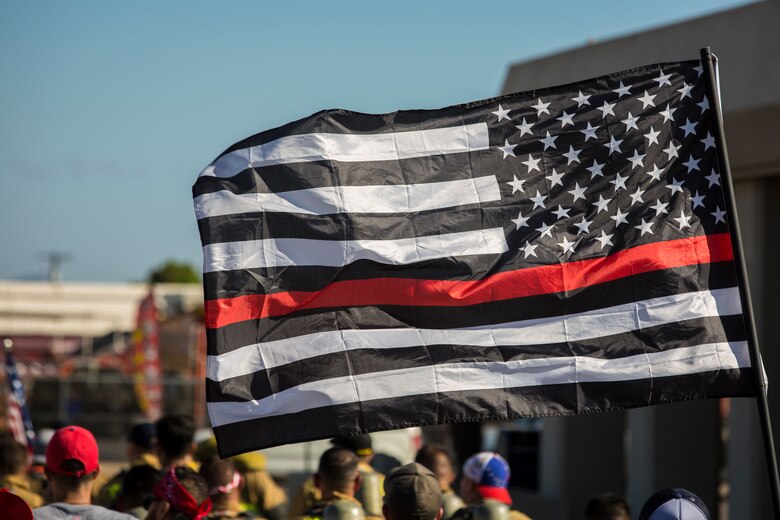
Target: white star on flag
714,179
683,220
655,173
532,164
613,145
652,136
555,178
589,132
622,91
637,160
520,221
501,113
517,184
607,109
692,164
697,200
659,207
561,212
719,214
545,230
663,79
685,91
572,155
619,182
630,122
583,225
529,249
508,149
636,197
538,200
577,192
595,170
601,204
644,227
619,217
647,100
689,127
566,245
709,142
565,119
605,239
672,150
549,141
668,113
541,108
525,128
581,99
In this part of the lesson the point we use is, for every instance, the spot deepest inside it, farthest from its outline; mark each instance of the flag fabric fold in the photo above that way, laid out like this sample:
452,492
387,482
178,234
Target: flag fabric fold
561,251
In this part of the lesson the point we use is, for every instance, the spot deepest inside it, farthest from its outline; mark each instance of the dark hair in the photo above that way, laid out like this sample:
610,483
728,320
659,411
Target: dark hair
217,473
71,483
13,456
428,454
174,435
338,467
142,435
137,483
607,507
194,484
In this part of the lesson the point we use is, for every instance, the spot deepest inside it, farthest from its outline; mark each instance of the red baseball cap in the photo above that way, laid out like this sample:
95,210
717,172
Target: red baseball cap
72,442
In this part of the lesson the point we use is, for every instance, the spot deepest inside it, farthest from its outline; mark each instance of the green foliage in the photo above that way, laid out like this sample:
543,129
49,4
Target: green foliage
172,271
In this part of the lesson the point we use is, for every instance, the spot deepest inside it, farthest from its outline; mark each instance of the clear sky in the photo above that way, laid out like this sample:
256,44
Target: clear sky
109,110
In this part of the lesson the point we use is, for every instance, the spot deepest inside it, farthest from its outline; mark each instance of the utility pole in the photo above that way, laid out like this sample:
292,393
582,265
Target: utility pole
55,260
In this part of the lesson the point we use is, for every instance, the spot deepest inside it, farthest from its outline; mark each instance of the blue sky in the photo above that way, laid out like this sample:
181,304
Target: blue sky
109,110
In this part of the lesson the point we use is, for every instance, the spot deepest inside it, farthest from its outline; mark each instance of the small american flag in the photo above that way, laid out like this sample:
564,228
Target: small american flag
19,421
553,252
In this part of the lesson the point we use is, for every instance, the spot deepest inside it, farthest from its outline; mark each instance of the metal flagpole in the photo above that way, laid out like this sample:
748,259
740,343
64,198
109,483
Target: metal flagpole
709,61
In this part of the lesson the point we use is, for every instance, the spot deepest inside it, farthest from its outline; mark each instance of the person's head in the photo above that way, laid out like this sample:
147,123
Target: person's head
412,493
438,460
72,463
13,456
180,495
360,444
608,507
140,439
138,482
175,434
485,475
338,471
674,504
14,507
223,481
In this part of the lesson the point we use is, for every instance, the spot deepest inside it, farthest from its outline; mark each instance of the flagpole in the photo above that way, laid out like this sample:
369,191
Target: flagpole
708,61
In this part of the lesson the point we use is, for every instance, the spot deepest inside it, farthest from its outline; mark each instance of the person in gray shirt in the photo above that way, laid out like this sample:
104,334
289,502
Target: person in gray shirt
71,467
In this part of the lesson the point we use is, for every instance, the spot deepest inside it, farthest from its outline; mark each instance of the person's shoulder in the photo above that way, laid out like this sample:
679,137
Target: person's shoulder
514,514
110,514
93,512
60,510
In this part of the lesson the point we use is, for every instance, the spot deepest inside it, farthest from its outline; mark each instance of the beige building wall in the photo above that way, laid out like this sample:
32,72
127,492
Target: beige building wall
83,309
674,445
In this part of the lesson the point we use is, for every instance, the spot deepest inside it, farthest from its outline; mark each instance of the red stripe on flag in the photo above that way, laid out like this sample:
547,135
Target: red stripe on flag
531,281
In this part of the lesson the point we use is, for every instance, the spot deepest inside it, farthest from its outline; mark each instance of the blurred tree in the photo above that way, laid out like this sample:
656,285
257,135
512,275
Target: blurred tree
172,271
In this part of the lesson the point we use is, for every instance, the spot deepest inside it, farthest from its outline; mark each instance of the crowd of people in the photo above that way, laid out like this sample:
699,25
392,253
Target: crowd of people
169,477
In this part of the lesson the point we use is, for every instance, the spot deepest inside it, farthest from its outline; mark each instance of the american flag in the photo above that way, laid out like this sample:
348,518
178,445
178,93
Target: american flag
560,251
19,421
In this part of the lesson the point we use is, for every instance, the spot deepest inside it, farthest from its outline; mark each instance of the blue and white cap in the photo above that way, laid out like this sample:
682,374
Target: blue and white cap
674,504
491,473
